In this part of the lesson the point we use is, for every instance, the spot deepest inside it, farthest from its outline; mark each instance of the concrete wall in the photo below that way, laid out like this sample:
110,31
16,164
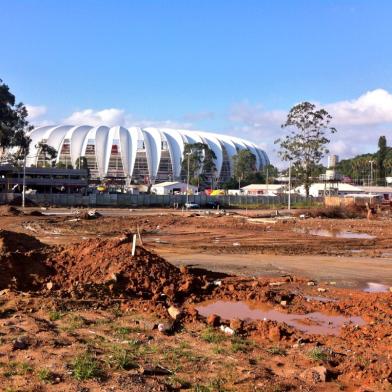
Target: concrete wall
145,200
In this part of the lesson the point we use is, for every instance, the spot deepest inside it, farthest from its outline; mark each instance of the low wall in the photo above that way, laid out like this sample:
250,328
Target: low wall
146,200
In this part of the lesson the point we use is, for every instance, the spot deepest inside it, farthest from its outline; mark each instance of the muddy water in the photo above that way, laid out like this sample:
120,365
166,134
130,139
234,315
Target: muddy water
336,234
372,287
311,323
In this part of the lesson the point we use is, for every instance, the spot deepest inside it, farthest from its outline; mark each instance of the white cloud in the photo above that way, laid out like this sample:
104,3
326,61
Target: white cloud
373,107
359,122
113,116
35,111
109,117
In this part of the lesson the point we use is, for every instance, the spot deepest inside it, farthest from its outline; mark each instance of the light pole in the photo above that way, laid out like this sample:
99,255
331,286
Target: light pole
187,178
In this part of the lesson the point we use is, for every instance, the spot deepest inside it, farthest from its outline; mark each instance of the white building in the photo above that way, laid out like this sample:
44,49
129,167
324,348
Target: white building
174,187
263,189
145,155
324,188
384,191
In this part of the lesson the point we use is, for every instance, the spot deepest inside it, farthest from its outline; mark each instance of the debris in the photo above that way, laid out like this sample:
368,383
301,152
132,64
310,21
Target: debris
213,320
236,324
273,284
174,312
227,330
311,283
155,370
275,334
20,343
321,290
315,374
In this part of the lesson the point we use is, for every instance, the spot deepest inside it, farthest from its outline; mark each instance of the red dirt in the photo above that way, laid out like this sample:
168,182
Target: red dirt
107,265
21,264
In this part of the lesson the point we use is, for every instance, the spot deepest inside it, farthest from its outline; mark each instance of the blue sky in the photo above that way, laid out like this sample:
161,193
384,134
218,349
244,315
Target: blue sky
225,66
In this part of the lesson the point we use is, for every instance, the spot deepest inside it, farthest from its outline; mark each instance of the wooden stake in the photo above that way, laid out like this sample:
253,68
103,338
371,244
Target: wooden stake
140,237
134,245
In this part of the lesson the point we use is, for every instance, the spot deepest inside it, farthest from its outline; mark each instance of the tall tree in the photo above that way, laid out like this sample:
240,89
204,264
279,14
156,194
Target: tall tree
306,144
13,123
47,152
81,163
244,163
201,162
381,156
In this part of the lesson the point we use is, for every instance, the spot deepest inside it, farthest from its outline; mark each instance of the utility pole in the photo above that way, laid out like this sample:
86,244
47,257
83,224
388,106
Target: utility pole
24,183
267,180
289,197
371,171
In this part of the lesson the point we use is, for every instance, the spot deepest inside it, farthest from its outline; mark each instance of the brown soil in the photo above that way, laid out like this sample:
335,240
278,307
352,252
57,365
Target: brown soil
107,265
90,295
9,211
21,261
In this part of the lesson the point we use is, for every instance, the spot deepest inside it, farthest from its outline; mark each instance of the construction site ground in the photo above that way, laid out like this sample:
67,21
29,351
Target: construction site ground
250,301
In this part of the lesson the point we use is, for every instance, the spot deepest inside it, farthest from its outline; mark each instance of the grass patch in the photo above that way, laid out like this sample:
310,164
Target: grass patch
14,368
178,355
45,376
210,335
74,322
85,366
276,350
241,345
318,354
55,315
121,358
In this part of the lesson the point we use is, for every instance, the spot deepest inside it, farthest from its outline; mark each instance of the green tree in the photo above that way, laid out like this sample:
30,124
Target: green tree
270,173
381,156
81,163
13,123
244,164
388,166
306,144
201,162
48,152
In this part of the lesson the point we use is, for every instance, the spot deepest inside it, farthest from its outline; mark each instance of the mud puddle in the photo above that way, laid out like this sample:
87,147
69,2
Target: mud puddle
336,234
311,323
372,287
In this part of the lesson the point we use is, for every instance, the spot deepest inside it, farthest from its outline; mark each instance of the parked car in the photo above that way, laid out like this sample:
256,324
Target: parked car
191,205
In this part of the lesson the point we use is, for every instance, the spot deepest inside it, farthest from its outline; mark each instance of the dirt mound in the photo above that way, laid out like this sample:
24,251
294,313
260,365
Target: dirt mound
11,241
350,212
21,265
36,213
96,267
17,201
9,211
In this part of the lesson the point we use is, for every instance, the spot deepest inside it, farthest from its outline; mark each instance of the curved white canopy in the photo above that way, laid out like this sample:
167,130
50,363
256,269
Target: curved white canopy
127,139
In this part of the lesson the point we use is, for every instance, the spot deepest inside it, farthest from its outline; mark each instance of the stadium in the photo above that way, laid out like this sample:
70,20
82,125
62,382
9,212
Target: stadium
143,155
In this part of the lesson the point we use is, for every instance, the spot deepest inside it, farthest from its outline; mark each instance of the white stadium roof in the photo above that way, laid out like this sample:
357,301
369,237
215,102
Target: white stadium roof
103,137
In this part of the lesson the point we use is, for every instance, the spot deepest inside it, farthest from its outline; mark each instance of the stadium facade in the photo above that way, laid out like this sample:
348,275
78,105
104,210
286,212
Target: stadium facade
138,154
